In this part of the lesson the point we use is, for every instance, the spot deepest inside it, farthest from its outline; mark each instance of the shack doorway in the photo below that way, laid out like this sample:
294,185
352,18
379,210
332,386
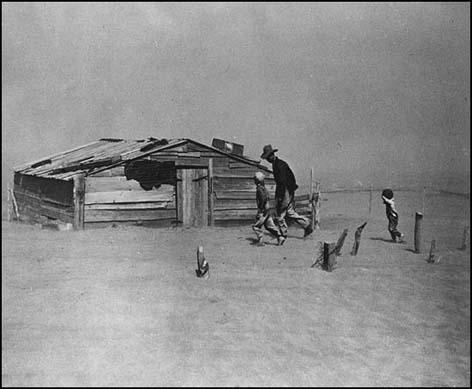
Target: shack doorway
192,196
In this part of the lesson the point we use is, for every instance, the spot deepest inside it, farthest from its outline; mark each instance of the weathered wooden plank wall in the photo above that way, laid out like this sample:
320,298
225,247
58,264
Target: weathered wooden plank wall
114,199
40,198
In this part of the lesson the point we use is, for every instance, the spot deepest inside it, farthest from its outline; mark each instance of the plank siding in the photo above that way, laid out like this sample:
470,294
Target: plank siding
145,223
100,215
31,206
127,206
54,190
127,196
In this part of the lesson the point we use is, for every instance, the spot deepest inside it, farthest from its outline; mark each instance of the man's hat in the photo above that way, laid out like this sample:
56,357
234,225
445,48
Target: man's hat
267,150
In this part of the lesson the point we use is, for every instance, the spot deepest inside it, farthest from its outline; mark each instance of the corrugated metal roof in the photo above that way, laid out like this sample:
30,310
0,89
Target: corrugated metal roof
102,154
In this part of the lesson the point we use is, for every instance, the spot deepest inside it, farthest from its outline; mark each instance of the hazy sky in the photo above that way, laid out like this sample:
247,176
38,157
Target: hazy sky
363,92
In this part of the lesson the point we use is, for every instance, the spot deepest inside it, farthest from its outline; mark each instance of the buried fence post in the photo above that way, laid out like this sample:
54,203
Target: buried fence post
328,253
431,251
329,256
465,238
418,225
203,268
357,239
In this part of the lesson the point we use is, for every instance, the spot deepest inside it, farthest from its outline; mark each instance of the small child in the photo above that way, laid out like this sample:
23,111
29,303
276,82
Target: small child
263,217
392,215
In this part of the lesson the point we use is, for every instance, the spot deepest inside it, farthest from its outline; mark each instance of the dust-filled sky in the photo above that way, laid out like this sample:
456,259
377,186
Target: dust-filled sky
362,92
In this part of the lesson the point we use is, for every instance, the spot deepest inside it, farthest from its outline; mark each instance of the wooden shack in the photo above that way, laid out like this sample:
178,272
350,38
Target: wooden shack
145,182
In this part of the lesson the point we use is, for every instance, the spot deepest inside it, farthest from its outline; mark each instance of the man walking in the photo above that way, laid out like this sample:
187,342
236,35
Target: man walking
284,194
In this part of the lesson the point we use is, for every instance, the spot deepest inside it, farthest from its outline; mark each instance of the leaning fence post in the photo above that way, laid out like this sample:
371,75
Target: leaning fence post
418,225
357,239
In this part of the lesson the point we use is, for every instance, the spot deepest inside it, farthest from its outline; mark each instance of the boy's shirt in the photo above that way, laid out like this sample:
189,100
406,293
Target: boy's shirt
262,198
390,206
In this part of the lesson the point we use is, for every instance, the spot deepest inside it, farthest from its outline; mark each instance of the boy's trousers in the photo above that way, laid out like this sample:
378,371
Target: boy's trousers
265,220
392,226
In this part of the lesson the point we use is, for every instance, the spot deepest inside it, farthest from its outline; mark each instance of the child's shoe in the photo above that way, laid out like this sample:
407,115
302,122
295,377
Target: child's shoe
281,240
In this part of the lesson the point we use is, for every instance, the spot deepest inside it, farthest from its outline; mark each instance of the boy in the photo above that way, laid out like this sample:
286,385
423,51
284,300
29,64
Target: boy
392,215
263,217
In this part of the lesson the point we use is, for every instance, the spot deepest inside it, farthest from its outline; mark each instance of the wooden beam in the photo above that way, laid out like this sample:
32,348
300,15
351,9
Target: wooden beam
211,205
15,204
79,195
9,204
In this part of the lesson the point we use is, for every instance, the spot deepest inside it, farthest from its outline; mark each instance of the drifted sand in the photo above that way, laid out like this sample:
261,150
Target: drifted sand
123,307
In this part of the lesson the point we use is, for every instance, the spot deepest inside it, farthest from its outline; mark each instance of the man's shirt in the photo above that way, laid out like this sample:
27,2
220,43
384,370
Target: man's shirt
284,178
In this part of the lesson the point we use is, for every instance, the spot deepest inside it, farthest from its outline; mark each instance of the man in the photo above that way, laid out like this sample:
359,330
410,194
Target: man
284,194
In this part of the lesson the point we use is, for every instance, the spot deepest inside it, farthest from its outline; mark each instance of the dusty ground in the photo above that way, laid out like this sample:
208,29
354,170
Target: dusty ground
122,306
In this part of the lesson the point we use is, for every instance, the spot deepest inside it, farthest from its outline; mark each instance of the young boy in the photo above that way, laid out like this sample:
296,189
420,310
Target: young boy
392,215
263,217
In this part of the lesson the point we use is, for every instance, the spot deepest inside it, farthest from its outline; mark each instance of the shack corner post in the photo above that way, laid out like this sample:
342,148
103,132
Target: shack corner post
79,196
314,199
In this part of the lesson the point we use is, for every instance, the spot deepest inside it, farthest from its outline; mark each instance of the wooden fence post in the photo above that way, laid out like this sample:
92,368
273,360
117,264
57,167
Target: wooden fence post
329,256
431,251
211,220
79,199
418,225
340,242
357,239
